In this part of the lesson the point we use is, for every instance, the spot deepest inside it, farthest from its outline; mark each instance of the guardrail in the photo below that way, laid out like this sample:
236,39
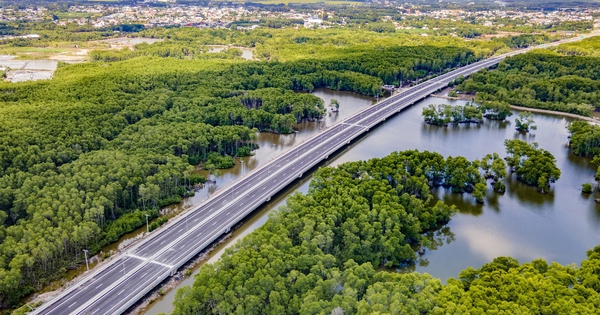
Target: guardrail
410,96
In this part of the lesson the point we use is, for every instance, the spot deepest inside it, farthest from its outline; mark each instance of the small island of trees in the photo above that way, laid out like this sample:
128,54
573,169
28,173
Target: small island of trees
443,115
533,165
525,122
321,252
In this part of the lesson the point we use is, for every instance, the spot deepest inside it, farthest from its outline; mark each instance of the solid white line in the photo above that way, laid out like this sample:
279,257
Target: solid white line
219,195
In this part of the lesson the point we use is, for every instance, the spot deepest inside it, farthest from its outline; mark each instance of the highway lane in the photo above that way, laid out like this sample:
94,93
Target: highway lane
66,304
150,248
110,290
202,233
257,194
170,248
126,289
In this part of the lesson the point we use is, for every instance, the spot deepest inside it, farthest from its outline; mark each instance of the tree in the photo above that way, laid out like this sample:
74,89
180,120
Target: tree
533,166
335,104
586,188
525,122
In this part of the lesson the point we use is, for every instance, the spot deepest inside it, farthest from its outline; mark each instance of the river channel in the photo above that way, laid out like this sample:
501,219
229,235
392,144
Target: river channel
558,226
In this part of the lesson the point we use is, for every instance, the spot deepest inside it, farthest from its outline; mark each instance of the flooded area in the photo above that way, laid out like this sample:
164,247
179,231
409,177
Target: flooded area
270,145
247,53
123,42
558,226
27,70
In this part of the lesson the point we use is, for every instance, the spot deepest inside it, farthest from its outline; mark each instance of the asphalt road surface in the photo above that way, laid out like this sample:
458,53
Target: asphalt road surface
116,286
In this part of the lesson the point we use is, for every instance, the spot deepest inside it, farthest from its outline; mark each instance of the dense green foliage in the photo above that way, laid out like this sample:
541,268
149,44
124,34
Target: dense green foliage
495,110
494,168
586,47
297,44
533,166
585,140
541,80
81,152
355,217
586,188
320,254
505,287
444,114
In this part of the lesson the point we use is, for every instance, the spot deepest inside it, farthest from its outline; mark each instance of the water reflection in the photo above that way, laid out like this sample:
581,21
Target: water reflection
490,242
528,196
464,202
557,226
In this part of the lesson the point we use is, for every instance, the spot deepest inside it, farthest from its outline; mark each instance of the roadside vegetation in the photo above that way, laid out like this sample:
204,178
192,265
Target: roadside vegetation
84,156
320,254
544,80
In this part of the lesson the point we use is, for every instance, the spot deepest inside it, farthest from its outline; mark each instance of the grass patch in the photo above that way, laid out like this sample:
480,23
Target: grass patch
72,15
31,53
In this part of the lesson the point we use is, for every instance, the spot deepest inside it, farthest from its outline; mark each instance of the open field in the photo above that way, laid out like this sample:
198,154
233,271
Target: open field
72,15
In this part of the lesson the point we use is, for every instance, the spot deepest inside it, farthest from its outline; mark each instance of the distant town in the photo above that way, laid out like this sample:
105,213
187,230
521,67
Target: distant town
101,16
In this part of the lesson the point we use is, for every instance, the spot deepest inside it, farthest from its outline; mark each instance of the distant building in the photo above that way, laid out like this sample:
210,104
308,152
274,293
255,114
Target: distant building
311,22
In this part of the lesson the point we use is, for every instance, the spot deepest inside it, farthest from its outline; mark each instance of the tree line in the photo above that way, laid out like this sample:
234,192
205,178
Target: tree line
532,165
82,152
443,114
320,254
541,80
584,140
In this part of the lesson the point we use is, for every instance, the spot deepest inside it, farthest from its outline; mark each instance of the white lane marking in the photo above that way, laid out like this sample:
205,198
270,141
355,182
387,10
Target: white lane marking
162,242
99,286
72,304
94,312
228,213
214,223
196,219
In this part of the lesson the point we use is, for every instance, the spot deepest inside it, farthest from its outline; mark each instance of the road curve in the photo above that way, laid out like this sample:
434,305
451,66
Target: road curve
116,286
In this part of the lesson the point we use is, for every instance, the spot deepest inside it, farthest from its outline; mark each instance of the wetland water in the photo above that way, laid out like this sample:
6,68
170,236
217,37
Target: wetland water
558,226
247,53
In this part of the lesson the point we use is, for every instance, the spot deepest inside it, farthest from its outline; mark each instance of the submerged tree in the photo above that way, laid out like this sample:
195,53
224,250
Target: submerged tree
533,166
443,114
525,122
334,104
